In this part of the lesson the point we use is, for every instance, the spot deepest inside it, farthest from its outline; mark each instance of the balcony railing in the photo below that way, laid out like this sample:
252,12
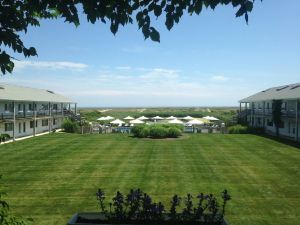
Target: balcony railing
30,114
268,112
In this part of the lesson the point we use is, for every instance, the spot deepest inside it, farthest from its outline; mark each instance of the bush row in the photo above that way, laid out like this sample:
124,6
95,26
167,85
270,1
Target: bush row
240,129
157,131
4,137
70,126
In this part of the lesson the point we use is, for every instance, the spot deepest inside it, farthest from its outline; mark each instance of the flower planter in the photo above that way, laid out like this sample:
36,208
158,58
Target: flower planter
96,218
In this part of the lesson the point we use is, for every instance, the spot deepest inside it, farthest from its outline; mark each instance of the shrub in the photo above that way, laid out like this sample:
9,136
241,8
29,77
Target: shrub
157,131
70,126
174,132
136,130
4,137
238,129
137,207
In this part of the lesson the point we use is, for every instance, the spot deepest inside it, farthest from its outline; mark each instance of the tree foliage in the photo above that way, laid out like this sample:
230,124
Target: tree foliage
17,15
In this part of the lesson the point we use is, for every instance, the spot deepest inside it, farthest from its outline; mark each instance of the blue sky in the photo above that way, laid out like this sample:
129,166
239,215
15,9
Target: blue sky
213,59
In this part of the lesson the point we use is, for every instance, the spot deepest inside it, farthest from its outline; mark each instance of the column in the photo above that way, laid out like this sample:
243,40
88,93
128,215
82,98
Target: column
75,109
50,119
62,109
297,118
252,119
34,118
264,115
14,130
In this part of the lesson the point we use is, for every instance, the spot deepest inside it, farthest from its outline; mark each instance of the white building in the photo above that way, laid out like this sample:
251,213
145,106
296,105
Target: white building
256,110
28,111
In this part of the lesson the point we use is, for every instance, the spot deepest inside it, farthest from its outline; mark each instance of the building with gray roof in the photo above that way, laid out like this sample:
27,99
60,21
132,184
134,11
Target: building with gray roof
256,110
26,111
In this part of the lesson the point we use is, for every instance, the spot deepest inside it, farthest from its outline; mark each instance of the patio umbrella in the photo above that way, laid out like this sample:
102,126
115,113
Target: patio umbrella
109,118
128,118
210,118
171,118
175,121
194,122
157,118
136,121
213,118
102,118
188,118
143,118
117,121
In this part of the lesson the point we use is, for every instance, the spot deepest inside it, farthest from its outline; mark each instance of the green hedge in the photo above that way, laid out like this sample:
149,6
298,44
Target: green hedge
4,137
70,126
238,129
156,131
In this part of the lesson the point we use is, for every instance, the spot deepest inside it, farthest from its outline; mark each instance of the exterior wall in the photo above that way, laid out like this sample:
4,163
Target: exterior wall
260,115
25,114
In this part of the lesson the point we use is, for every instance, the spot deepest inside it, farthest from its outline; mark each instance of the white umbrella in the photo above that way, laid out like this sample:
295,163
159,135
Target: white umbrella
109,118
171,118
102,118
175,121
128,118
136,121
157,118
143,118
194,122
188,118
117,121
211,118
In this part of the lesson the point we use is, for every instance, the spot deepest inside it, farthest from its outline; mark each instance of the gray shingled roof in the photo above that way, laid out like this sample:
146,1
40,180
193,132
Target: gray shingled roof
291,91
19,93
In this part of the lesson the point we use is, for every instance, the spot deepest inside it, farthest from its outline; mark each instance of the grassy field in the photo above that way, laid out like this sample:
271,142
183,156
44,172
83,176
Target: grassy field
51,177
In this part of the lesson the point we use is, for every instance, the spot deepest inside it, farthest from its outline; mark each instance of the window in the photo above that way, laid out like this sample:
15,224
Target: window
44,123
268,105
24,127
36,123
270,123
19,107
9,127
54,106
283,106
54,122
20,129
281,125
30,107
31,124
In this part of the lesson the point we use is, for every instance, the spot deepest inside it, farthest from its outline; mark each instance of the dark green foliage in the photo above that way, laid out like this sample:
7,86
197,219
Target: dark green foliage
139,206
137,130
276,114
4,137
157,131
70,126
174,132
238,129
17,16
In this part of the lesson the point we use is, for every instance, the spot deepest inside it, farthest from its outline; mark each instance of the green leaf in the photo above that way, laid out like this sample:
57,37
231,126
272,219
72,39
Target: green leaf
157,10
154,34
169,22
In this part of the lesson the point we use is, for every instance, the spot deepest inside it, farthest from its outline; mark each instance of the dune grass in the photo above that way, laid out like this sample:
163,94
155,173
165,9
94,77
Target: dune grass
51,177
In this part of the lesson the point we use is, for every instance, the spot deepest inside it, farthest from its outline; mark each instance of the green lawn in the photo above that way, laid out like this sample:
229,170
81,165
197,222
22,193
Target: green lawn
51,177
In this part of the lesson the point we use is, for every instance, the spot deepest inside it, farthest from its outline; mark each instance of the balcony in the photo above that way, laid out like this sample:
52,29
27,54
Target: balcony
268,112
30,114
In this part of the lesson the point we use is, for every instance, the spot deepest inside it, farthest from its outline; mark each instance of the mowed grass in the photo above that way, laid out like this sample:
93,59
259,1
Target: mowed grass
51,177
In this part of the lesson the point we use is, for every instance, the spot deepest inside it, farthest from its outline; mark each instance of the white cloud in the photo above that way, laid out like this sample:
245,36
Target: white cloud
160,74
123,67
219,78
54,65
